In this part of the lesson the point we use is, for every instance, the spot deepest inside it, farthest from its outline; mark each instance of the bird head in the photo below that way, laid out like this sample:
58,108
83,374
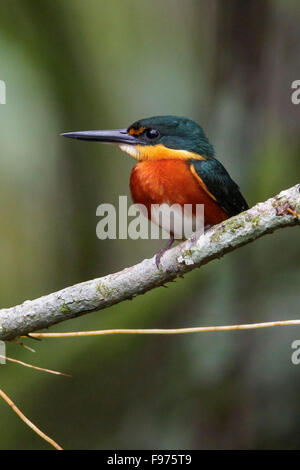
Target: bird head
155,138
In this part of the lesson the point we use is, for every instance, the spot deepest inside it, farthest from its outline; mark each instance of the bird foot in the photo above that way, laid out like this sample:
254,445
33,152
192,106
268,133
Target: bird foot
197,235
161,252
158,257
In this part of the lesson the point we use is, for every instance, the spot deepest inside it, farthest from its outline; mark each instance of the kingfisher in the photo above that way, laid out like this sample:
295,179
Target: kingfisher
176,164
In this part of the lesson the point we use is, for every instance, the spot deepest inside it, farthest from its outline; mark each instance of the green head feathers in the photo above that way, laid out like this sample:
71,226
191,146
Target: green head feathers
174,132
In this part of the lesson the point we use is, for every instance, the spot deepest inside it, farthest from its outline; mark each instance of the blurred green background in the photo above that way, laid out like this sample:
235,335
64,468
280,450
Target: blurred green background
92,64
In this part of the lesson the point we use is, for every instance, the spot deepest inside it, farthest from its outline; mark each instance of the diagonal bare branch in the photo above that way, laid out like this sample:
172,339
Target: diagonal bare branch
98,294
28,422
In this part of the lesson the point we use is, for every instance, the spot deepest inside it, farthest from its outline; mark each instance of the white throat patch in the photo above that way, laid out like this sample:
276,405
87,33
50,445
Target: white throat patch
131,150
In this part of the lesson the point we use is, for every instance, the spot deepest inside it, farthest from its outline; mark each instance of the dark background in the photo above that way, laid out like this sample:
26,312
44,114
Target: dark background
87,64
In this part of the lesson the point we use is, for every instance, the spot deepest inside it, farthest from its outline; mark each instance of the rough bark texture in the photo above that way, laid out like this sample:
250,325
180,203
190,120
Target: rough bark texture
100,293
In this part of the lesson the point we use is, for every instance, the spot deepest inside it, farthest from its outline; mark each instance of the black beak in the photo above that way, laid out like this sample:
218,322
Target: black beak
116,136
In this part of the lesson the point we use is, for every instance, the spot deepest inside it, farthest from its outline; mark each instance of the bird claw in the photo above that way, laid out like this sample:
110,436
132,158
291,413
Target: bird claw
161,252
158,257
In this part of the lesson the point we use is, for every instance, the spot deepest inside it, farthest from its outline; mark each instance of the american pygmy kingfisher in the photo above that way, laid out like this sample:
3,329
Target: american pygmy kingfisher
176,165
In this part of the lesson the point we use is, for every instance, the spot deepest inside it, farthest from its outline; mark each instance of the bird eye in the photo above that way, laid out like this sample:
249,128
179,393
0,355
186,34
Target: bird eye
151,133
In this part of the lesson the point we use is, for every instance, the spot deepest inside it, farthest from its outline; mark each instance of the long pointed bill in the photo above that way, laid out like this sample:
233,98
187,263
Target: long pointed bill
116,136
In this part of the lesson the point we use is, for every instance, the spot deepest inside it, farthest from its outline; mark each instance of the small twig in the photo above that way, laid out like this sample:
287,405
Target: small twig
20,343
34,367
291,211
28,422
168,331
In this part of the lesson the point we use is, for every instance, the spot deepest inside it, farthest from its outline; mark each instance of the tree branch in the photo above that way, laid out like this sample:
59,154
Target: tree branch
97,294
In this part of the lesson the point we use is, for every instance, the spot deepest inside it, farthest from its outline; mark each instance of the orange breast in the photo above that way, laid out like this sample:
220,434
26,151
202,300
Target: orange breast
171,182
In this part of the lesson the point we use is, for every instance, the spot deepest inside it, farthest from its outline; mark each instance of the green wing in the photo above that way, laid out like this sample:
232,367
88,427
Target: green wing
220,185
